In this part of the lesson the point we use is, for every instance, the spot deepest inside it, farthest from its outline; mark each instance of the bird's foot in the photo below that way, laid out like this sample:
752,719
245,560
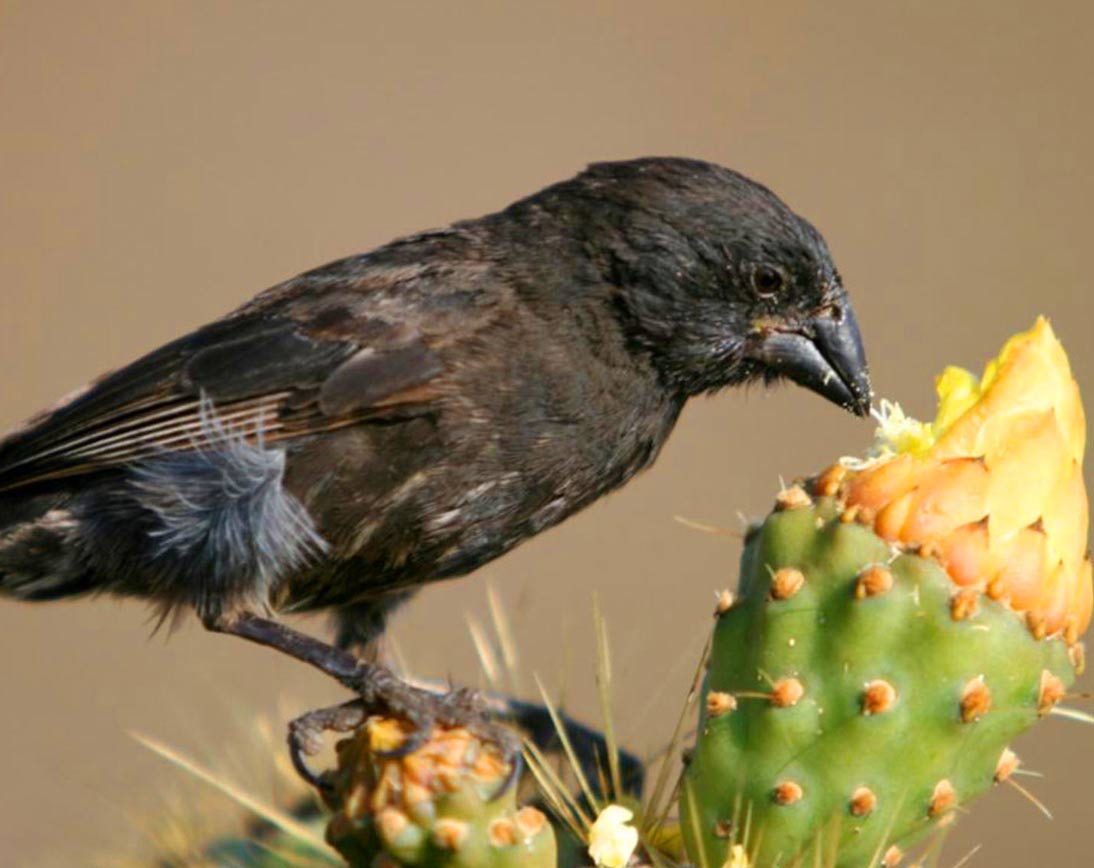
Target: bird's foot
382,693
464,708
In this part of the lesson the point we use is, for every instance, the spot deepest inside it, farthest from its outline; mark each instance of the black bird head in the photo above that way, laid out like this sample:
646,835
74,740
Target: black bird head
720,281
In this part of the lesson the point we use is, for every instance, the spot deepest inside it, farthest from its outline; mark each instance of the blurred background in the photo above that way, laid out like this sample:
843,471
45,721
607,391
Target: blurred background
160,162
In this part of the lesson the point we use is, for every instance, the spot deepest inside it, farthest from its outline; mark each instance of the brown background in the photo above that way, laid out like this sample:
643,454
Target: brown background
161,162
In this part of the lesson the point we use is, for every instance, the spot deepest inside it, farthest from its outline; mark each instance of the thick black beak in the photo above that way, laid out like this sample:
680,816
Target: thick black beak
823,354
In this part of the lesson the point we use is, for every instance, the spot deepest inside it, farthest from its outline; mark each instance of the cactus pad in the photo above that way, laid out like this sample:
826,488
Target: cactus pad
854,690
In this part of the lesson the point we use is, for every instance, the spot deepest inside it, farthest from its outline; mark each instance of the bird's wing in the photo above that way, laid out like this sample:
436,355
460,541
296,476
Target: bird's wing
317,353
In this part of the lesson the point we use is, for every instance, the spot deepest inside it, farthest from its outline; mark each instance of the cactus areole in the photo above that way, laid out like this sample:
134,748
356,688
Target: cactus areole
939,590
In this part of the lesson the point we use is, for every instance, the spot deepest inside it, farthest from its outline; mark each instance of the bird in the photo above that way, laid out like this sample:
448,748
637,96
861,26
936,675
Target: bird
406,415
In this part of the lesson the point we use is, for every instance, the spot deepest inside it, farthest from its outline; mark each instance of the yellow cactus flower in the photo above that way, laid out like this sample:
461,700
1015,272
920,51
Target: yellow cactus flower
612,840
993,487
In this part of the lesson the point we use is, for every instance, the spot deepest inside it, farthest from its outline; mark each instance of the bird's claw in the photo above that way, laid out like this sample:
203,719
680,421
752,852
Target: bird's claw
380,692
466,708
306,736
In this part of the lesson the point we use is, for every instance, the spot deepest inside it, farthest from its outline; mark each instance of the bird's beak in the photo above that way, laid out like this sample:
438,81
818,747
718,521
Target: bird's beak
824,353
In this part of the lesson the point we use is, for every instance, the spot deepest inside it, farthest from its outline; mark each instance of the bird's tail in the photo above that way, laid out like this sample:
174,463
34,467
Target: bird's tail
38,558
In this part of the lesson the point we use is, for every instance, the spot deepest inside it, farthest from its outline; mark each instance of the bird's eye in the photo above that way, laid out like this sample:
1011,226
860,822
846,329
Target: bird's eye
767,280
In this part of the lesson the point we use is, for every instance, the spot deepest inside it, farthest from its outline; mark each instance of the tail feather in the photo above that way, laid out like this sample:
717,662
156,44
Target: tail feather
211,527
36,551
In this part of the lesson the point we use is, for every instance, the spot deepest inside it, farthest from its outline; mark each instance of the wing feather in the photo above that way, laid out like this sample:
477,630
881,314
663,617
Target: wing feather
357,339
263,377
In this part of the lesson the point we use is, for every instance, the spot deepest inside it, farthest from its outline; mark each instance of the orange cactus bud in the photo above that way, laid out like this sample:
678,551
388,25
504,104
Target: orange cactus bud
1050,692
719,703
786,583
878,697
873,582
788,793
792,498
975,700
943,799
965,604
787,692
1007,765
863,802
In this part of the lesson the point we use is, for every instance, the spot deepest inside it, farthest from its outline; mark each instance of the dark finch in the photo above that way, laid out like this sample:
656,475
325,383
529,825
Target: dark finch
409,414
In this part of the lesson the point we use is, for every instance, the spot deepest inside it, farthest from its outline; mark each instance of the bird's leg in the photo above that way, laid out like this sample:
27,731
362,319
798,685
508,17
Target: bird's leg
379,691
339,665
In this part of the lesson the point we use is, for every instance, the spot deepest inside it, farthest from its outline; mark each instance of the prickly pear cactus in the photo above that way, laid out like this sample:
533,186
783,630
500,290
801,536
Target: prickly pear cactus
848,683
899,623
446,805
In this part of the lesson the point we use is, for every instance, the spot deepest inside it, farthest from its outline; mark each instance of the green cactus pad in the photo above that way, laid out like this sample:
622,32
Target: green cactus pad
855,710
448,804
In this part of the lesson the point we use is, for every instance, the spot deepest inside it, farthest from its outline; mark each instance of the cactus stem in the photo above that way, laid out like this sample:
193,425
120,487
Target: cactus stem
943,799
788,793
786,583
975,700
873,582
779,655
863,802
878,697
